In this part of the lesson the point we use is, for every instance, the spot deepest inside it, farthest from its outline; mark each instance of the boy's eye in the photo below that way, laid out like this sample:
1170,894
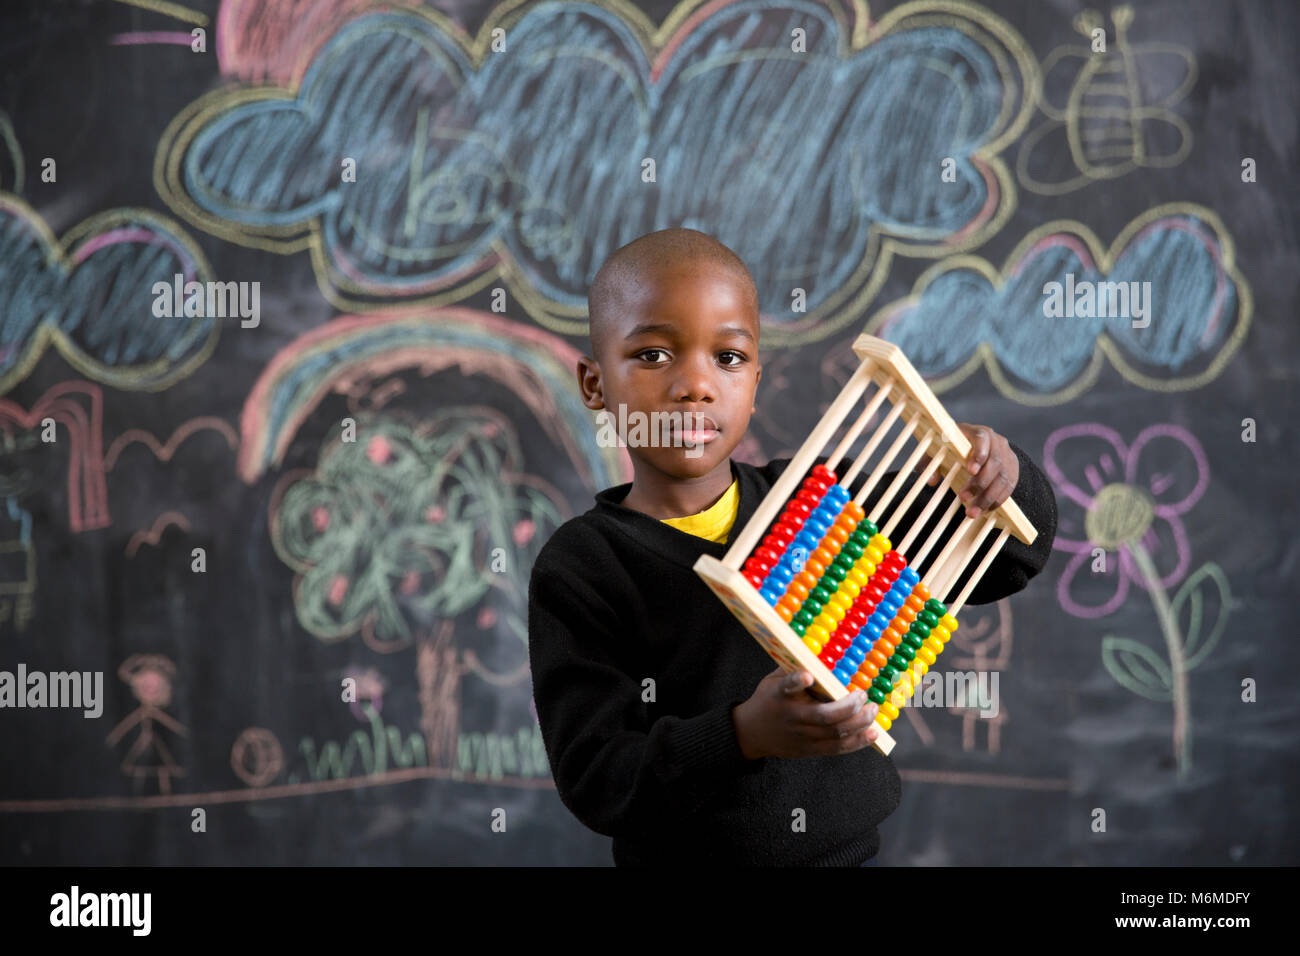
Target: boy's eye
735,355
652,355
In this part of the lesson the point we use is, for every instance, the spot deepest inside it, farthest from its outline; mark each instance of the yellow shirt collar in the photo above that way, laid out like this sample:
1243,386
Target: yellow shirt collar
715,521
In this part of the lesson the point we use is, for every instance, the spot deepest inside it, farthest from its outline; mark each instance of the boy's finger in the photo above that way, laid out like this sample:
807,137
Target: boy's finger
980,442
797,682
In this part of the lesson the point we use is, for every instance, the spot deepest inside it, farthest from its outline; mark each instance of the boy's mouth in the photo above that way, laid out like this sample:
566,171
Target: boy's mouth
697,430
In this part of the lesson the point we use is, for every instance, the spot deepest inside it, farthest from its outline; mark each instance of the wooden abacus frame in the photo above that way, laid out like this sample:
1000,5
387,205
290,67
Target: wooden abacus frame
884,365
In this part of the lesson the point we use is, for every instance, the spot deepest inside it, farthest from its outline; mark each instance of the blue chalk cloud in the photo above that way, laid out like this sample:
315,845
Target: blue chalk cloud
801,162
1197,308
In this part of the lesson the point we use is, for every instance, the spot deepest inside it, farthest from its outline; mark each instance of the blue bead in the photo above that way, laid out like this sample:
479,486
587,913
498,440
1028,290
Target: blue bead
845,677
911,576
807,540
771,597
871,632
781,574
855,654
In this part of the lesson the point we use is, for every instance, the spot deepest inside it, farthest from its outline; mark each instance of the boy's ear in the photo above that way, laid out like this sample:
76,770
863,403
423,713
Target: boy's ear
593,395
758,377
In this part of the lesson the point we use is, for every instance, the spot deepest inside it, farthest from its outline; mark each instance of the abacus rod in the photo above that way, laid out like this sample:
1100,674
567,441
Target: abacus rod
852,434
888,528
979,572
935,498
869,448
948,515
956,564
794,473
936,575
887,460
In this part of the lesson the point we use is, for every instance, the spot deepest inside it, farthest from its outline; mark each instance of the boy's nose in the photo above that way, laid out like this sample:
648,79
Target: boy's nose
694,382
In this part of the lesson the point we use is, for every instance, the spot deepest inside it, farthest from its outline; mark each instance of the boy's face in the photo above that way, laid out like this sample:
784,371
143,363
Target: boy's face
685,340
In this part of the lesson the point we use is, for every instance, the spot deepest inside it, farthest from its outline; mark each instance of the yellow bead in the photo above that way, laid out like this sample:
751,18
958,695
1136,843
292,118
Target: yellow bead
883,543
949,622
873,554
812,645
941,632
860,575
934,644
925,654
840,600
883,722
817,633
836,612
826,621
851,587
889,710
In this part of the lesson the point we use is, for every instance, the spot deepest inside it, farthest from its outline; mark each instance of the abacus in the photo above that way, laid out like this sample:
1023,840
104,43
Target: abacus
826,590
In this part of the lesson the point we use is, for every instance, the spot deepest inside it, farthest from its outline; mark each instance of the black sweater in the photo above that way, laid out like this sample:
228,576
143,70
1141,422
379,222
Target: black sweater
614,605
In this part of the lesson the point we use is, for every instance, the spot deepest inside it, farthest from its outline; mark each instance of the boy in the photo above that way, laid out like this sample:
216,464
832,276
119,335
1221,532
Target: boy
665,725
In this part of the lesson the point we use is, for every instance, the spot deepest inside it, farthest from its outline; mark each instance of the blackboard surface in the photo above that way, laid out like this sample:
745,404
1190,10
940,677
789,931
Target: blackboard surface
230,517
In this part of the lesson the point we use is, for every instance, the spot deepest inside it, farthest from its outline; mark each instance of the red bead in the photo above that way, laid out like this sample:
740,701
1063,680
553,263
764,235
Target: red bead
793,522
827,658
758,566
768,555
753,578
799,508
812,498
824,474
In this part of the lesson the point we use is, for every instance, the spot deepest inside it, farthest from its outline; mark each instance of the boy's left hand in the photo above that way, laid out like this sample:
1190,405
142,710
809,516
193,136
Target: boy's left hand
993,467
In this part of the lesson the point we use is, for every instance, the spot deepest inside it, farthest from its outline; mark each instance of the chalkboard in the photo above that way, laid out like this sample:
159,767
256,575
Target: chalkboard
291,297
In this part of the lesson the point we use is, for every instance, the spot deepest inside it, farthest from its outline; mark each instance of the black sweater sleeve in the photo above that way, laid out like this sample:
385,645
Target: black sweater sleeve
616,770
1017,562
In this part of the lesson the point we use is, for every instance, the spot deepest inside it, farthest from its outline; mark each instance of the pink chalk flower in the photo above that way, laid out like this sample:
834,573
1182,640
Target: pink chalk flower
1128,500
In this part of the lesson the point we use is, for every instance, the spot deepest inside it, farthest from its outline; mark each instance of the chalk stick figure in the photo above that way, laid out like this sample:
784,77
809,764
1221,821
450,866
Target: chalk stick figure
150,678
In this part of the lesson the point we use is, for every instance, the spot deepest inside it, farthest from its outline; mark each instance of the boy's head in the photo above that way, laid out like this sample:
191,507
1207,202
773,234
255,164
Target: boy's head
674,329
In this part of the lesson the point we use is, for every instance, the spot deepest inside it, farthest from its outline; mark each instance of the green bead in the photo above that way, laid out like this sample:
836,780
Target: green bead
877,696
860,538
913,641
843,561
904,651
870,527
804,617
836,574
853,549
882,684
813,607
936,607
889,673
821,594
920,630
926,618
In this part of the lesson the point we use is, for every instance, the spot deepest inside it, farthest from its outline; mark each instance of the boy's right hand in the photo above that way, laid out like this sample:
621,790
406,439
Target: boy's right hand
781,719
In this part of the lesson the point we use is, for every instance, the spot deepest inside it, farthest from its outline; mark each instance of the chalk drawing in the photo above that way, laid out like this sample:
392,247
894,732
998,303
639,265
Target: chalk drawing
150,678
1129,500
453,196
1114,116
963,314
89,296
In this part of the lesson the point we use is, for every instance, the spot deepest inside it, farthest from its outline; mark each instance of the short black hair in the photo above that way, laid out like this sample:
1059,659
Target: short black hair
628,264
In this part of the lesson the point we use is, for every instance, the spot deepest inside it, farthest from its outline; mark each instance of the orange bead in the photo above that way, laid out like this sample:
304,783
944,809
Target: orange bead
906,613
921,591
894,633
837,534
790,601
807,579
815,568
784,613
854,510
878,658
824,555
915,603
861,680
798,589
870,669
